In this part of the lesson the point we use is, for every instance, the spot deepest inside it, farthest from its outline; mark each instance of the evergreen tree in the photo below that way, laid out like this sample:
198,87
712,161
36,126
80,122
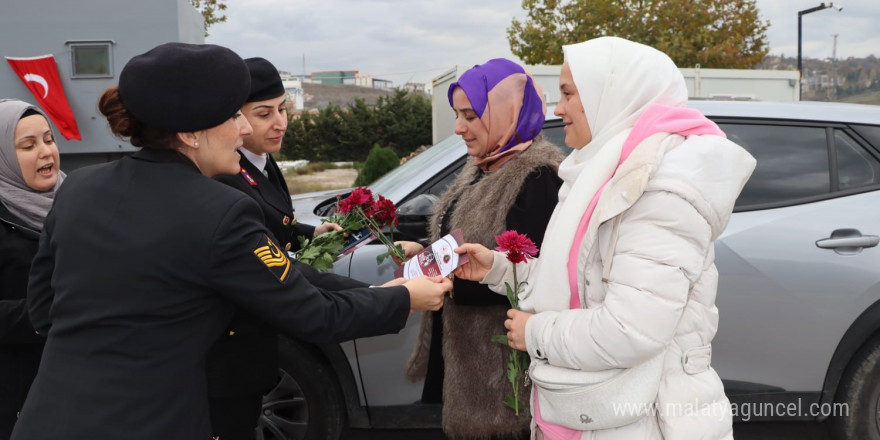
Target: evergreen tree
402,121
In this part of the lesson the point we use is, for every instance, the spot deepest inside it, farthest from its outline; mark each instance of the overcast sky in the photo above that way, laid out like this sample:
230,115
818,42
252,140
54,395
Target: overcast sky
417,40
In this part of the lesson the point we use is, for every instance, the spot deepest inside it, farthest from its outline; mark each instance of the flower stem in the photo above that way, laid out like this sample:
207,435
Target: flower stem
377,232
514,354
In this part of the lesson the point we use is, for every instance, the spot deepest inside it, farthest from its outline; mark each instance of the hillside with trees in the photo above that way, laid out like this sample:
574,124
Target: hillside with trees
848,80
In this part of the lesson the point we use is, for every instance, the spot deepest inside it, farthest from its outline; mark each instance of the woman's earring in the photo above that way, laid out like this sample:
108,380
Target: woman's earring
196,144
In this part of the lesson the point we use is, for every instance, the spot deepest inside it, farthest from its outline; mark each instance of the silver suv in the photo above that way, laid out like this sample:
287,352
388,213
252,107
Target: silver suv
799,289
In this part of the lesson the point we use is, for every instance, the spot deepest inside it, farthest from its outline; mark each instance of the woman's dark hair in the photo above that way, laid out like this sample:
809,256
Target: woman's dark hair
124,125
29,112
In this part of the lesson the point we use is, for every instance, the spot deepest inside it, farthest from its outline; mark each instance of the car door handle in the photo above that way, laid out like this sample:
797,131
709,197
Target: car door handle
864,242
848,241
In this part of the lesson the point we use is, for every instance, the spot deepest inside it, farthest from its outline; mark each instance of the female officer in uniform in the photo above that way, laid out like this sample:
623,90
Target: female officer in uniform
243,364
142,260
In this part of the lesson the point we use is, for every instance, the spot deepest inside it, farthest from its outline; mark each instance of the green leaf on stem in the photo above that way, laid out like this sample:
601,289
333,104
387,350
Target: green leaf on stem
509,401
501,339
325,261
511,296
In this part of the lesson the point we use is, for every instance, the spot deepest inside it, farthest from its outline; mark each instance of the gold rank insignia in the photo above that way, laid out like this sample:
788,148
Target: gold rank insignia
273,257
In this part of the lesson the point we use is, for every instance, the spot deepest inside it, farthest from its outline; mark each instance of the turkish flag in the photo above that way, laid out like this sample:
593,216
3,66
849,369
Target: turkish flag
40,76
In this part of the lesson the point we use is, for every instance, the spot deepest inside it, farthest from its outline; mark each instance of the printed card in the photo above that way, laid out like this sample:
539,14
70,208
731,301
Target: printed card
438,259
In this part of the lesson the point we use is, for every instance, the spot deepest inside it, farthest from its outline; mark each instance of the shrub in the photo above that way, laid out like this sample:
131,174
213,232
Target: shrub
380,161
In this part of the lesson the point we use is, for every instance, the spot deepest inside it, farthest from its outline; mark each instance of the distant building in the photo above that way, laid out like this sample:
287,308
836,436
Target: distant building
90,49
416,88
351,78
361,79
381,84
335,77
765,85
294,87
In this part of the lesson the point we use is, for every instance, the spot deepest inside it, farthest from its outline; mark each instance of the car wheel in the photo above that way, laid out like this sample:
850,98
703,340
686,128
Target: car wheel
860,395
307,403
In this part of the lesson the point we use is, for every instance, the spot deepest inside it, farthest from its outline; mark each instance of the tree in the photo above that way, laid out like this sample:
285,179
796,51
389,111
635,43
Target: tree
379,162
359,130
212,11
711,33
404,121
299,143
401,121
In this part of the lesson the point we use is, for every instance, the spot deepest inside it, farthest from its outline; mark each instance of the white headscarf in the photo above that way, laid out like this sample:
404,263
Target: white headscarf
616,80
23,202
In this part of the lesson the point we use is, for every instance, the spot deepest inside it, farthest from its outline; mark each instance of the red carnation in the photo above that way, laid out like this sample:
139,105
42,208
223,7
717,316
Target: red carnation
518,246
384,212
359,197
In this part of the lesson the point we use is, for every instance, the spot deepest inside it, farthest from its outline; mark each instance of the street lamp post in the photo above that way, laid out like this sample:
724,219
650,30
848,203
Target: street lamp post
801,14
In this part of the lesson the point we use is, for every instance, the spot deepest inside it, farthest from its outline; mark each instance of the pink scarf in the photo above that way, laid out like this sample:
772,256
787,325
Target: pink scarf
655,119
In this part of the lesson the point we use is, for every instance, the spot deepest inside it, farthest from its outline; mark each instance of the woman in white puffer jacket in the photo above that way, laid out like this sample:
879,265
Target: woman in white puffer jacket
643,263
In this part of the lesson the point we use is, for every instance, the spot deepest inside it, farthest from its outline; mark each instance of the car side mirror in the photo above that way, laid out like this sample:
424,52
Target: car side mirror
414,216
328,207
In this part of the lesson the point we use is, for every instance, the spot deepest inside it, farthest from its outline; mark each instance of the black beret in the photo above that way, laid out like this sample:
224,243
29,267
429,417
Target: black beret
180,87
265,80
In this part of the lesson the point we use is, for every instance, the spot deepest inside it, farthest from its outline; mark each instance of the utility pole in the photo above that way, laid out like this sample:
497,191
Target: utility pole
800,15
834,68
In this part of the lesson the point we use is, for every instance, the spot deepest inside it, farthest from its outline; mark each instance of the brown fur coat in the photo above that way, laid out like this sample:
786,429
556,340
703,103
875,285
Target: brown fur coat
475,384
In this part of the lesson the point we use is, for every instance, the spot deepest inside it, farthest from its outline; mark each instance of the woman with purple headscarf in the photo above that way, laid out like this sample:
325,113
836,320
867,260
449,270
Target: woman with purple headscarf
509,182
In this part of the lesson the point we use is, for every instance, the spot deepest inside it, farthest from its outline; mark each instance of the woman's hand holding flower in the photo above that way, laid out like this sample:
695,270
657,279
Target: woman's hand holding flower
516,328
326,227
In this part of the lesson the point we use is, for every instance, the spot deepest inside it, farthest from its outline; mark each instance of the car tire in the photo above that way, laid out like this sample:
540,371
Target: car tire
860,392
307,403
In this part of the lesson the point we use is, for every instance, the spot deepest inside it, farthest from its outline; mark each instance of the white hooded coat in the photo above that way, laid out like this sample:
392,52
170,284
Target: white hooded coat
652,289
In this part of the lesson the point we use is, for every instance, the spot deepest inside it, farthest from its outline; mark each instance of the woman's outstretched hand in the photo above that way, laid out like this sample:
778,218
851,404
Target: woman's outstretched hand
410,249
480,260
395,282
326,227
427,293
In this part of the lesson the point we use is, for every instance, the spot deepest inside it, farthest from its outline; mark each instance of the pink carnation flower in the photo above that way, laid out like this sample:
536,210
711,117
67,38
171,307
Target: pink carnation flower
518,246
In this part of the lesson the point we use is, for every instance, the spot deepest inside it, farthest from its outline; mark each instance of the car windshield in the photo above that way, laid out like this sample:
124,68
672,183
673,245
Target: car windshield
414,165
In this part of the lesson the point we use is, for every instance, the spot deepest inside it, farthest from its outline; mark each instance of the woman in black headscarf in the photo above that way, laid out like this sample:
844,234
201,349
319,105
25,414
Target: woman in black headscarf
29,176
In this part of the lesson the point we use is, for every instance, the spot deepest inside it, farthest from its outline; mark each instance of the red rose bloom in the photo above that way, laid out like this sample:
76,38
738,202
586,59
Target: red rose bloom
518,246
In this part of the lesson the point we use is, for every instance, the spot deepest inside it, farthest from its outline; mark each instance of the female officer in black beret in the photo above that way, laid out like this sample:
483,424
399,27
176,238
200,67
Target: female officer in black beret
243,364
142,260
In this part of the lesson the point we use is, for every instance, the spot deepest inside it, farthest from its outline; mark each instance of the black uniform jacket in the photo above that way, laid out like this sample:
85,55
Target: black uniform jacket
20,348
274,200
244,362
138,268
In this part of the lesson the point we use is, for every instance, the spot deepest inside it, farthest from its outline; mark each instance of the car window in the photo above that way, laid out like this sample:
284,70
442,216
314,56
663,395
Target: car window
792,162
413,166
871,133
438,187
855,167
